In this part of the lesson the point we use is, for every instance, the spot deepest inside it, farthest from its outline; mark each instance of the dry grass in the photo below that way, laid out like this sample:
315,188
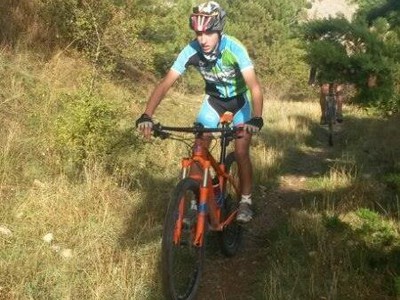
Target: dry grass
99,237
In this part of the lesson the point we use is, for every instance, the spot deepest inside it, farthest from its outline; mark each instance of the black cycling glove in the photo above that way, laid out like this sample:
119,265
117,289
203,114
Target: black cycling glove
254,124
144,121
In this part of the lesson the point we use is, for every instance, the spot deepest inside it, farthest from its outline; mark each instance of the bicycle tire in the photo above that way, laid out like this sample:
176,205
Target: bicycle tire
182,263
231,236
330,117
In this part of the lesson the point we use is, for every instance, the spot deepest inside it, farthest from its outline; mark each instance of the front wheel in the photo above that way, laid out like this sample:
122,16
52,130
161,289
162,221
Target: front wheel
231,235
331,118
181,261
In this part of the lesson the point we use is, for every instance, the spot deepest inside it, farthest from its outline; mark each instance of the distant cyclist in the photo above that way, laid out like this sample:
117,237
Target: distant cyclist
324,91
231,85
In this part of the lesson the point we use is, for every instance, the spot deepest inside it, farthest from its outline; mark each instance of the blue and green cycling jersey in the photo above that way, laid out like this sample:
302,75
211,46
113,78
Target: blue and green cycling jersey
223,77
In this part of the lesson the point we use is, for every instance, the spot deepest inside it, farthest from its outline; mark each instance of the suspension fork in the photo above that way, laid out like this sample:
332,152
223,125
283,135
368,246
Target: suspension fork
202,208
185,166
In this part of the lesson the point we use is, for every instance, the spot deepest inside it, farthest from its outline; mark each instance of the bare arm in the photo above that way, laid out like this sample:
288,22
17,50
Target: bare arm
145,126
250,77
160,91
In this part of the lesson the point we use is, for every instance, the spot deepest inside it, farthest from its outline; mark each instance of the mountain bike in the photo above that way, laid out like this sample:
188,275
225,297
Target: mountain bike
330,111
203,201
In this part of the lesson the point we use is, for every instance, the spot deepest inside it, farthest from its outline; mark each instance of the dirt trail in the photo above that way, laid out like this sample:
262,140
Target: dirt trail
237,278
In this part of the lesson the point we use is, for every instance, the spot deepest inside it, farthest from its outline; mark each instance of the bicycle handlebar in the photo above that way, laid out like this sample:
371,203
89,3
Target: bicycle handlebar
162,131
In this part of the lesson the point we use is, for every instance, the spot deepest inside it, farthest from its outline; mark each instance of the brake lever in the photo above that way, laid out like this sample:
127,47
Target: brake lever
159,133
236,133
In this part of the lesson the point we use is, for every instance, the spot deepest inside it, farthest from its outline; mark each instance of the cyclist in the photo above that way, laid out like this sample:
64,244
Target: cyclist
324,91
231,85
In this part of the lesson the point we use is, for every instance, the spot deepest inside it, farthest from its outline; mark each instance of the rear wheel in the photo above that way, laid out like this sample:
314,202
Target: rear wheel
330,137
182,262
330,118
231,235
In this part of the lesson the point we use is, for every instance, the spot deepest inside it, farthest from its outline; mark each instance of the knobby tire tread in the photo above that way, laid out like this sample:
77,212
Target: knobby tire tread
330,117
170,281
231,236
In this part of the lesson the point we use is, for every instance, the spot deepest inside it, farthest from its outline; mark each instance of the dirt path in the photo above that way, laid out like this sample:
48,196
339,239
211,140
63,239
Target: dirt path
236,278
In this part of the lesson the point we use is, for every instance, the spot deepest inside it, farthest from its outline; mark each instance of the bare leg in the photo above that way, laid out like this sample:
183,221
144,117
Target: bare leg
339,103
242,155
323,92
195,170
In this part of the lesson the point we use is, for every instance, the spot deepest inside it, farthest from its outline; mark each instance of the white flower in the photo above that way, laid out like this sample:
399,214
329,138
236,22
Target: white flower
48,238
56,248
66,253
5,231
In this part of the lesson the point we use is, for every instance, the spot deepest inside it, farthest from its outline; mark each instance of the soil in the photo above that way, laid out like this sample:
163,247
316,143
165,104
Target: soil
237,278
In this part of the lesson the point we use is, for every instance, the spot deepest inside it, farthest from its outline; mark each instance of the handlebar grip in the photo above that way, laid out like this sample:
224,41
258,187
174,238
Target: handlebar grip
159,133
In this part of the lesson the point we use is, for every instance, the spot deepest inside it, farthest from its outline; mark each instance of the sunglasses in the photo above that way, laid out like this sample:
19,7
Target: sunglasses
198,13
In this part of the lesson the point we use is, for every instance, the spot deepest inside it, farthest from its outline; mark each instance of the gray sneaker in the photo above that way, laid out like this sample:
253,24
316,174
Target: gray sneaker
245,214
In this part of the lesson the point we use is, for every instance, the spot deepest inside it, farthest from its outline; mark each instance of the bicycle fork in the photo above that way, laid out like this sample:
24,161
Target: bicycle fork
207,210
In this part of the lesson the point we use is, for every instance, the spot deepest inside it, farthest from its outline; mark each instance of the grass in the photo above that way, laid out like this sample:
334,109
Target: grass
345,256
106,223
343,243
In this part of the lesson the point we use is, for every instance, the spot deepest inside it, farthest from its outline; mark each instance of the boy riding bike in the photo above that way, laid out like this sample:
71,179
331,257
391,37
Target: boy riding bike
230,85
324,91
338,91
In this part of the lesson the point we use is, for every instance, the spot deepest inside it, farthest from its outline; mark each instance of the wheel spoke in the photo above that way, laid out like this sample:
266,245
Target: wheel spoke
182,262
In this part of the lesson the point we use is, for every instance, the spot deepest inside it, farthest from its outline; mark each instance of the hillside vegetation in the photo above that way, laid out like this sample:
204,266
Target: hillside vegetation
83,196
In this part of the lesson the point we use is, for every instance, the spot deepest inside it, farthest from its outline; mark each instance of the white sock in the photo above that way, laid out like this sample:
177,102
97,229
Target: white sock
246,199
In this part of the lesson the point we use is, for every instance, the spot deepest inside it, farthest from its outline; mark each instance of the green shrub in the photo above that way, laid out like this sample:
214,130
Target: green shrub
86,130
375,230
397,285
393,181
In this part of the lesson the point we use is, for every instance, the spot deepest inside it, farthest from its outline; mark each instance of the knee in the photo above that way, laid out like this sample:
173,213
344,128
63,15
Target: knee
324,89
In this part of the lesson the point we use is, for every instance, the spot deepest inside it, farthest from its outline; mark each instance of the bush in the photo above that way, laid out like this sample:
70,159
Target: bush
86,130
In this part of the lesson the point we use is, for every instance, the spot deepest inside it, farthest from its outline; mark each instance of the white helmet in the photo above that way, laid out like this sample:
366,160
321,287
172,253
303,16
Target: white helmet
208,16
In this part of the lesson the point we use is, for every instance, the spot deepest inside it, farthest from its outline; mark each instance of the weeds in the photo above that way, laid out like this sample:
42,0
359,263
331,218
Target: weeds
342,243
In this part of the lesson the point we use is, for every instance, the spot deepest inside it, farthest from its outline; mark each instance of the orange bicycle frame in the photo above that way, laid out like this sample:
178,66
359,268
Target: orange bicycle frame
207,208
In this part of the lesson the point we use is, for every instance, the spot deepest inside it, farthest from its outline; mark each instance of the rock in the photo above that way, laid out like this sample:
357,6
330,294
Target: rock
5,231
